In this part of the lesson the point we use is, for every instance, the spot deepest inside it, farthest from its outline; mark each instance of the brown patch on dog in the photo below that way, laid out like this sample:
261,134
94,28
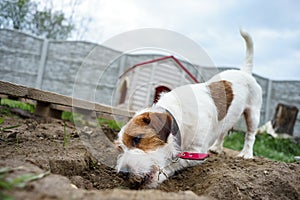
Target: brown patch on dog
221,93
147,131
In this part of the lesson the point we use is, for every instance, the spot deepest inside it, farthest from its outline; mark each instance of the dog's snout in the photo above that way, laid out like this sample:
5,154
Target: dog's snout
124,171
124,174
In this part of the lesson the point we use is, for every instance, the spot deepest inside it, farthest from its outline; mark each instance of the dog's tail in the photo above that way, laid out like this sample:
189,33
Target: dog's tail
248,65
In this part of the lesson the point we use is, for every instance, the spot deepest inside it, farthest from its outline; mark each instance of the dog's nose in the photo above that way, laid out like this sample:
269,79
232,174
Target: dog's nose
124,174
124,171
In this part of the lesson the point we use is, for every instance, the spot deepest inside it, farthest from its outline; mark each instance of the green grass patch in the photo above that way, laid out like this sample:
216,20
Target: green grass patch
279,149
67,116
17,104
111,123
79,119
75,118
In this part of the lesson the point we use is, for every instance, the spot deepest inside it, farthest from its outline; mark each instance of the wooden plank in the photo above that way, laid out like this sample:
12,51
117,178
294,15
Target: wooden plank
60,107
54,98
3,96
28,101
98,114
12,89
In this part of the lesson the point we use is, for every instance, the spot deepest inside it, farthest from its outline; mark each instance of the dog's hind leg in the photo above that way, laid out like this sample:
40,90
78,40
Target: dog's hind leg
252,120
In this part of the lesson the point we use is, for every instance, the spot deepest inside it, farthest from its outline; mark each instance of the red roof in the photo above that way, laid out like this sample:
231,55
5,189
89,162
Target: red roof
160,59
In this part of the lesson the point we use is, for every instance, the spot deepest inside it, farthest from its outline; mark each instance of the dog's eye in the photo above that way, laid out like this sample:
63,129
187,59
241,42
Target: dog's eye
136,140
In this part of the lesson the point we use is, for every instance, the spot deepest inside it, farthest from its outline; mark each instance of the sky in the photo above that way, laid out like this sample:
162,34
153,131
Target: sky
214,25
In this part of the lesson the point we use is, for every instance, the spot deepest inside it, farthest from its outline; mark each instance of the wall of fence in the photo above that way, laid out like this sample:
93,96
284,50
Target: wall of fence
90,71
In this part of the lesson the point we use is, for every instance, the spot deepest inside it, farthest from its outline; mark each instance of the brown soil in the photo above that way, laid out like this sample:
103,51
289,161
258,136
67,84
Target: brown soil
38,146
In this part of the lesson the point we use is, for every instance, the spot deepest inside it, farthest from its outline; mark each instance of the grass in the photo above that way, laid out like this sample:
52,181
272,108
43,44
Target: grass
279,149
66,137
78,118
17,104
75,118
112,124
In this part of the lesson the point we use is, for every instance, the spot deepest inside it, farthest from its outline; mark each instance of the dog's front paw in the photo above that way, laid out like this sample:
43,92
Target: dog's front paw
245,154
216,149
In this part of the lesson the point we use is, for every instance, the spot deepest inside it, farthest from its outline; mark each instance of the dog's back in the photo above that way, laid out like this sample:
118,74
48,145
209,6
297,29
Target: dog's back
247,100
247,92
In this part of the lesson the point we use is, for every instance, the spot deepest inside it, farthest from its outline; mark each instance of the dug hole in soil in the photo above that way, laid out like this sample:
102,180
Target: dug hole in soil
40,145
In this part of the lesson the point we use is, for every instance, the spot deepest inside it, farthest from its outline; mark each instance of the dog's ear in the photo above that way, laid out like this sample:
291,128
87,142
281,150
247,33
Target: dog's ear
146,118
161,123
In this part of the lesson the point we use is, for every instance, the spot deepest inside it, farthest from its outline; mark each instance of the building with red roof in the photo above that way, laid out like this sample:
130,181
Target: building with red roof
141,85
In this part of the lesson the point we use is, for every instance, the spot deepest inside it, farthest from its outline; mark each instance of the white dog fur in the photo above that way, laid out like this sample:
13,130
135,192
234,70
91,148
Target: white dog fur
204,114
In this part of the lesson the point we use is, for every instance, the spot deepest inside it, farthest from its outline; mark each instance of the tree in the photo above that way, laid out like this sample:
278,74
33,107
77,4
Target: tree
24,15
51,24
15,14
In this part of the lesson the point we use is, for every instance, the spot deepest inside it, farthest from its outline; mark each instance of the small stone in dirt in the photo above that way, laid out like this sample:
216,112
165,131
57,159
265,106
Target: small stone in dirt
80,182
12,135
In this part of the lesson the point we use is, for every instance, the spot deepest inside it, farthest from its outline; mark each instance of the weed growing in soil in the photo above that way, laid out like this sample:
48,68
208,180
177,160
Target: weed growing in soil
19,182
78,118
111,124
6,128
66,136
279,149
75,118
2,129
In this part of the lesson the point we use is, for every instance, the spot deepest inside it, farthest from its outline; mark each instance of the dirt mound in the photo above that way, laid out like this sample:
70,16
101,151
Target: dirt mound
52,145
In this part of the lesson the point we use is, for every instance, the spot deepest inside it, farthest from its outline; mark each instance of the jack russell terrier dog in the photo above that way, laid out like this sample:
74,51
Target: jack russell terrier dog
187,122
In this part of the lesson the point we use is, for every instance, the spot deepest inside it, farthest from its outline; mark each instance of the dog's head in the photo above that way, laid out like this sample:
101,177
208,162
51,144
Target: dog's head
145,146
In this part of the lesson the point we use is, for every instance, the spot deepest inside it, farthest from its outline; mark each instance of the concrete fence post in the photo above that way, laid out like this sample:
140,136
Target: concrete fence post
268,100
42,65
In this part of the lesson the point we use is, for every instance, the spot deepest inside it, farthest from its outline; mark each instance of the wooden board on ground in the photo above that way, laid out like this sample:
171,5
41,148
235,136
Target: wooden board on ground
51,104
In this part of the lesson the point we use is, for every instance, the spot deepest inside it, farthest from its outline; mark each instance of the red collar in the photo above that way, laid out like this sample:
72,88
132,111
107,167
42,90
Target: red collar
193,156
184,155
